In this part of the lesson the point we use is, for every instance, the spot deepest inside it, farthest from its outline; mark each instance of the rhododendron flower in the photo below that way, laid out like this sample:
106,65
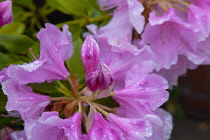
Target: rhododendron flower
118,73
116,56
173,29
56,47
101,129
130,9
142,92
6,15
123,61
131,128
169,36
161,128
22,99
96,77
51,126
176,70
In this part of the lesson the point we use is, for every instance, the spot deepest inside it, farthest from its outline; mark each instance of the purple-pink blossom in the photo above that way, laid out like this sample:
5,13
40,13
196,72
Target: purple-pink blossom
6,15
79,117
56,47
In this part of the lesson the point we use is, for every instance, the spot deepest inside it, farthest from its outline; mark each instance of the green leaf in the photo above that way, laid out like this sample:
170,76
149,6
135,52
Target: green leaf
54,89
16,44
45,87
76,31
8,59
58,6
76,7
13,28
75,63
109,102
25,3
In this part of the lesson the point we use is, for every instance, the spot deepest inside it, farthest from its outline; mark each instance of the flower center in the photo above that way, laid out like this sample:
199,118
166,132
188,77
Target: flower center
81,101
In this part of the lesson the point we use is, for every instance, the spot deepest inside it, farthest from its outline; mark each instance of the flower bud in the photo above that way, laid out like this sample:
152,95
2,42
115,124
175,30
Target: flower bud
6,15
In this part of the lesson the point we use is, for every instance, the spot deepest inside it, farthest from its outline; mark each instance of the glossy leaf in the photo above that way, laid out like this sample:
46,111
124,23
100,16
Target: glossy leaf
75,7
25,3
13,28
6,59
75,63
16,44
58,6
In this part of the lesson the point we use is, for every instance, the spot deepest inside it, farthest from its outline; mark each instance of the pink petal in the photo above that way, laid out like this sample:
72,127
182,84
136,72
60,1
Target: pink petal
6,15
21,98
103,130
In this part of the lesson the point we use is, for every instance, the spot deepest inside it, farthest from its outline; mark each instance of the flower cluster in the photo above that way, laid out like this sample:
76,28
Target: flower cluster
124,75
123,61
177,31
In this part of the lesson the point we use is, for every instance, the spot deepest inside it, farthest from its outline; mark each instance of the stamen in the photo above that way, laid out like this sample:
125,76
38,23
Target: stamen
180,2
3,115
112,94
80,106
164,6
106,108
31,51
180,8
83,90
112,6
16,121
92,106
61,98
101,110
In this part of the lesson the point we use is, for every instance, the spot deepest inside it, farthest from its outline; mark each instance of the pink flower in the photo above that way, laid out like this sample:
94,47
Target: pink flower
56,47
132,129
96,77
162,126
103,130
132,10
19,135
6,15
115,55
143,92
176,70
21,98
51,126
169,37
